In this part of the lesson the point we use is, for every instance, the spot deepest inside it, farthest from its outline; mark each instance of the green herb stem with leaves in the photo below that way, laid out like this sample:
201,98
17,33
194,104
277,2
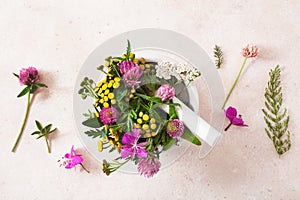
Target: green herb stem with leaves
29,77
218,54
44,132
275,116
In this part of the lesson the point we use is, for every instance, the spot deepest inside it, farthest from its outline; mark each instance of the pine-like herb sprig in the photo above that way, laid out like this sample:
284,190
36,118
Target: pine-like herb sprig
276,117
218,54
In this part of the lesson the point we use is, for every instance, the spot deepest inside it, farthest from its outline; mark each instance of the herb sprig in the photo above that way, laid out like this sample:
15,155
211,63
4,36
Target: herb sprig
44,132
275,116
218,54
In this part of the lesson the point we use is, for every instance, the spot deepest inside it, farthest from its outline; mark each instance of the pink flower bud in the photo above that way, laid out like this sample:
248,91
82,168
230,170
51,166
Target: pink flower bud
165,92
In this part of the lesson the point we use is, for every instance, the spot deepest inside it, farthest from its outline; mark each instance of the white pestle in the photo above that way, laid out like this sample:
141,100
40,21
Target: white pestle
195,123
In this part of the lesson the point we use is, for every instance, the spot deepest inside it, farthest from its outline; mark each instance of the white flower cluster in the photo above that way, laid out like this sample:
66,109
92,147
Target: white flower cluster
165,70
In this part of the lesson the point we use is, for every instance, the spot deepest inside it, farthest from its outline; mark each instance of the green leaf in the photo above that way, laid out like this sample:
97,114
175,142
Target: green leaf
40,136
24,91
93,122
128,51
16,75
152,99
52,131
41,85
95,133
172,112
33,88
35,133
38,125
47,128
121,95
275,116
189,136
169,144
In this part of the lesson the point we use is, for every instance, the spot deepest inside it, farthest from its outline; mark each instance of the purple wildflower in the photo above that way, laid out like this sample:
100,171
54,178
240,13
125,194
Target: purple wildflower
175,128
131,146
166,92
231,114
108,115
28,76
126,65
148,167
70,160
132,76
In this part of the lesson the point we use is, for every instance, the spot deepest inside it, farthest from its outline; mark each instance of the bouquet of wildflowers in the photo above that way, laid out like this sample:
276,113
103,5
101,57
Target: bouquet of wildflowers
128,116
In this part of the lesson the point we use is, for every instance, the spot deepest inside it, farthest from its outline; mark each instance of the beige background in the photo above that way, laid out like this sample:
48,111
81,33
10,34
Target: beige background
57,36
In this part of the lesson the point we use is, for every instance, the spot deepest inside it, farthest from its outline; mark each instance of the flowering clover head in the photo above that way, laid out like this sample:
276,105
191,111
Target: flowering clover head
28,76
126,65
148,167
108,115
250,51
175,128
166,92
132,76
70,160
131,146
231,114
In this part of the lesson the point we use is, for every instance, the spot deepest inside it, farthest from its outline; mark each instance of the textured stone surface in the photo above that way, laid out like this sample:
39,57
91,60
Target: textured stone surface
58,36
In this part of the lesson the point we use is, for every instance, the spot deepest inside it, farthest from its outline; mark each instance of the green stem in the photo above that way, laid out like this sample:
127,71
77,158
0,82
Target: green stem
23,125
84,168
235,82
48,145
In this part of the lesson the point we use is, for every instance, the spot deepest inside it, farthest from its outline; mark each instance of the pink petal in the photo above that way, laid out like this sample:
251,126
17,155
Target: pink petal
67,155
126,152
128,139
142,153
135,132
231,113
142,144
72,151
238,122
69,166
76,160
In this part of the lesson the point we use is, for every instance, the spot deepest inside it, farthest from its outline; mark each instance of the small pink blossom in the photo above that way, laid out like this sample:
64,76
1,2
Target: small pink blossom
132,76
166,92
126,65
28,76
108,115
148,167
175,128
231,114
131,147
70,160
250,51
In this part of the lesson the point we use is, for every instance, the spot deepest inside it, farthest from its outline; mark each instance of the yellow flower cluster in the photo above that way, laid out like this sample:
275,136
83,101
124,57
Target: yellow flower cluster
147,125
113,138
104,89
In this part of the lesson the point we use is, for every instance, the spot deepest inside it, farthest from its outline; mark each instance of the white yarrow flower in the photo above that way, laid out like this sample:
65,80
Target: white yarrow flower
165,70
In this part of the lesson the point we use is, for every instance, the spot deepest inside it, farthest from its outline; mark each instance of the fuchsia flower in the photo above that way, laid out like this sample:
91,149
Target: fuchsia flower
148,167
231,114
108,115
166,92
175,128
132,76
131,146
70,160
126,65
28,76
250,51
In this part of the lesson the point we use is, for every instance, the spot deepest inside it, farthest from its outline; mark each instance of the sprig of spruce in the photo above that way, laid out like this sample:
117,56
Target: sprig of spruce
218,54
276,117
